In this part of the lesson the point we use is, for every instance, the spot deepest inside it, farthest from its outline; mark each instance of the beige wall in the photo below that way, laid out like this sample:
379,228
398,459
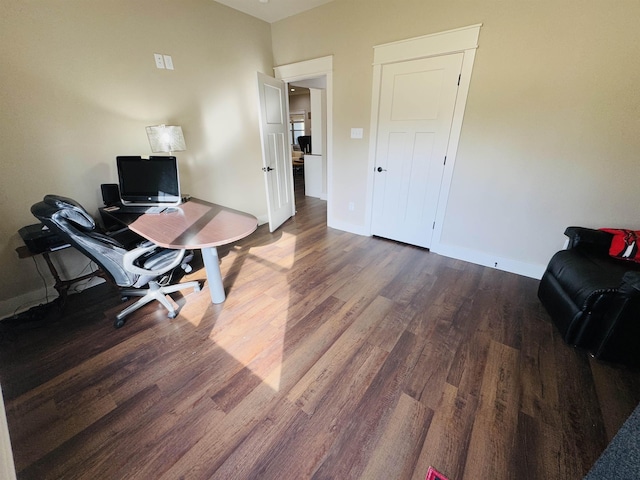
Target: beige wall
550,136
78,86
301,102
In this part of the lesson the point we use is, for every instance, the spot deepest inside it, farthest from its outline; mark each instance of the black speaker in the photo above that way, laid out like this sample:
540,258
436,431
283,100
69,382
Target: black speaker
110,194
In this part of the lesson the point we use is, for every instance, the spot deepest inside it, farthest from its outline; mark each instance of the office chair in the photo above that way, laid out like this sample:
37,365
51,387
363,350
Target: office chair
145,265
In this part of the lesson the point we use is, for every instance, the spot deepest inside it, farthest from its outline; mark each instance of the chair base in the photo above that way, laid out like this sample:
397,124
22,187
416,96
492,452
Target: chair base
154,292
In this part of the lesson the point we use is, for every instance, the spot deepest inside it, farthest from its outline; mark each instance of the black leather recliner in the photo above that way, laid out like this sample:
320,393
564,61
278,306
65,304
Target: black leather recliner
593,298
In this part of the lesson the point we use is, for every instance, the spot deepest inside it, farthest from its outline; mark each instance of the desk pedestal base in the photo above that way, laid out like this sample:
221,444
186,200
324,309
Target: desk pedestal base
214,275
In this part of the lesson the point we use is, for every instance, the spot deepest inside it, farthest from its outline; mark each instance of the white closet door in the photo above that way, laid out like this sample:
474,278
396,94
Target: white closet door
417,100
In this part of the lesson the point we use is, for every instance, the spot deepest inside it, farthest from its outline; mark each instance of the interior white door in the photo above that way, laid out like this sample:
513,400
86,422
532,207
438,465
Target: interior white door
417,100
276,152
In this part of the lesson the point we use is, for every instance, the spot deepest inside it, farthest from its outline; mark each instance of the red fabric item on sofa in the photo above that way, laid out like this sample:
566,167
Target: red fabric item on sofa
624,243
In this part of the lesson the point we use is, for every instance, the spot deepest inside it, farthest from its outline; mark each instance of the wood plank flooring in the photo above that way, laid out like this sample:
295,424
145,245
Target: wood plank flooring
334,356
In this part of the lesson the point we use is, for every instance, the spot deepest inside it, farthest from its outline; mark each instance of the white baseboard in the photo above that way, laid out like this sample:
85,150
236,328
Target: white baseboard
348,227
459,253
7,467
24,302
494,261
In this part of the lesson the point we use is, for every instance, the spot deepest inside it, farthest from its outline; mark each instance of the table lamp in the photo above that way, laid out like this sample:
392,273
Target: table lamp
166,138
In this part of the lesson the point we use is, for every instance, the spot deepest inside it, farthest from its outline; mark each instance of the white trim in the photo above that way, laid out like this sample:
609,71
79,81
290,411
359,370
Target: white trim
350,228
7,467
531,270
452,148
304,70
463,40
319,67
41,295
441,43
373,142
25,301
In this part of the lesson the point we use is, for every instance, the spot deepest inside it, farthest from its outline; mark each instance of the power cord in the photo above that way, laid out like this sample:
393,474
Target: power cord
88,268
46,291
44,282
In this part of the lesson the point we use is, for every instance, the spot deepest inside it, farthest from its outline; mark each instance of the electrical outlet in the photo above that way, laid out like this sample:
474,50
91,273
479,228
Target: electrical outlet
159,60
357,132
352,206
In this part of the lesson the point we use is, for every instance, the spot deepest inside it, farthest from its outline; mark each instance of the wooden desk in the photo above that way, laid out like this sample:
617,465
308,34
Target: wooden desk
197,224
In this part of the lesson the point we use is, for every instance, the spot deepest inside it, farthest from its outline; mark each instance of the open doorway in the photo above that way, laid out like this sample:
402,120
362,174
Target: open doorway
315,76
307,126
299,134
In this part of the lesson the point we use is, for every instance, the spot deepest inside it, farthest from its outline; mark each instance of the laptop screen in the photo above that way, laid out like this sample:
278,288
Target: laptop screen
152,181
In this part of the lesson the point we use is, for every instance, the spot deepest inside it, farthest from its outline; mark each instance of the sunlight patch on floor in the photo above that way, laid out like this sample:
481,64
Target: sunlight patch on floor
252,330
194,318
255,338
281,255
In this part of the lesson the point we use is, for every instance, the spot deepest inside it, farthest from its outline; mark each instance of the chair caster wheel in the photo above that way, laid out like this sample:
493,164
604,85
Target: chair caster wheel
197,288
118,323
172,315
124,299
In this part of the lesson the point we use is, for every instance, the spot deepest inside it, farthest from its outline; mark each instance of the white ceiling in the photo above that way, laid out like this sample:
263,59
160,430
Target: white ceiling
273,10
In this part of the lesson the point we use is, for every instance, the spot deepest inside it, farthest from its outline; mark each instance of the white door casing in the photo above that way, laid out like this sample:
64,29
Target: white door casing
276,152
319,72
417,100
462,40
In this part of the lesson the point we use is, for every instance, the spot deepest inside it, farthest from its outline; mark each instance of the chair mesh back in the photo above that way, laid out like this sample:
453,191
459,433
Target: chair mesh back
72,222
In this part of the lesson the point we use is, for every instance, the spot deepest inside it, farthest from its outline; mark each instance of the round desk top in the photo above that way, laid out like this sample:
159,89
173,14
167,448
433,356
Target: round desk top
195,224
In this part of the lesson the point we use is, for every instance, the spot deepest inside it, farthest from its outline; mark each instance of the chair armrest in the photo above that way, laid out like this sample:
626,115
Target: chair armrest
105,239
589,238
131,256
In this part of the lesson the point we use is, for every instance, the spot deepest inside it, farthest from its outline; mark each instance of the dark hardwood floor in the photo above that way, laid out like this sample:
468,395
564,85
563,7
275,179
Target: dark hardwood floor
334,356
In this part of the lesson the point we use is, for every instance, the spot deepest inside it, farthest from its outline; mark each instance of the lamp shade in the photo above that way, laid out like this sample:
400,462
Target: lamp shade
166,138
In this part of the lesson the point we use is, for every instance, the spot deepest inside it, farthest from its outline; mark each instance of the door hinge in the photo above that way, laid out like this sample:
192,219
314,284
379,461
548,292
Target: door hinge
434,226
445,159
267,169
459,77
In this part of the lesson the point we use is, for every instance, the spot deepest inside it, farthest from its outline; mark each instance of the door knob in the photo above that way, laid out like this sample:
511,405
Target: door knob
380,169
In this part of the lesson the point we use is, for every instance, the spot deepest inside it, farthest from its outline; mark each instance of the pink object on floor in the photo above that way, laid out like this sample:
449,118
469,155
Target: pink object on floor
433,474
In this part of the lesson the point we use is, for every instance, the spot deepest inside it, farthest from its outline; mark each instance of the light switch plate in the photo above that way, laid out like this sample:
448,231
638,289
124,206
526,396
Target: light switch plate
168,62
159,60
357,132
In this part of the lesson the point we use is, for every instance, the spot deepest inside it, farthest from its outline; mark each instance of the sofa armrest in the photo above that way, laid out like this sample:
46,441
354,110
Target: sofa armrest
589,238
620,328
630,283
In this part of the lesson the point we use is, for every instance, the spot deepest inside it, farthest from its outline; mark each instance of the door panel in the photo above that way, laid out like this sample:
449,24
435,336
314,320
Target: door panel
405,106
276,153
417,100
